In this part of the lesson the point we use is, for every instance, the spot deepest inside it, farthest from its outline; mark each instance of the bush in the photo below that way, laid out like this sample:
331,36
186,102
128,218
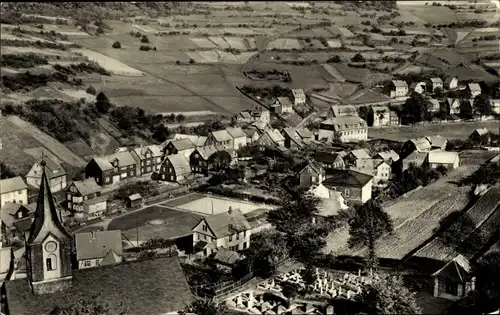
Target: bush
177,62
144,188
191,61
145,48
91,90
117,45
145,39
99,31
358,58
23,61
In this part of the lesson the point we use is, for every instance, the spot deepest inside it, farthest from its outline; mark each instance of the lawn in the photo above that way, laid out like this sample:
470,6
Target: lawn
214,205
448,130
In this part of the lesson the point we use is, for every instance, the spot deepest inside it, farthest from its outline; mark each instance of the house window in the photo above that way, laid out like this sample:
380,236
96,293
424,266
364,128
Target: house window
50,263
230,238
97,262
19,215
87,263
237,236
205,228
313,179
19,192
244,233
346,192
20,201
245,245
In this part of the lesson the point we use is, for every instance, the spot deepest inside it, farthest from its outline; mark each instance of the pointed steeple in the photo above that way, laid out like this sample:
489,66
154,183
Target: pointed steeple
46,218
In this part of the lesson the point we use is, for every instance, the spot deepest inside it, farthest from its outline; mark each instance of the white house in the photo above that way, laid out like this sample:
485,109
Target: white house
473,89
434,83
298,96
453,106
95,207
418,87
398,88
381,173
239,137
447,159
221,139
229,230
495,106
381,116
434,105
55,174
286,104
451,83
100,248
344,129
13,190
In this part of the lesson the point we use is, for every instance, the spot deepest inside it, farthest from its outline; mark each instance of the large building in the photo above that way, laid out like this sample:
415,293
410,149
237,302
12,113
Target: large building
343,129
13,190
55,172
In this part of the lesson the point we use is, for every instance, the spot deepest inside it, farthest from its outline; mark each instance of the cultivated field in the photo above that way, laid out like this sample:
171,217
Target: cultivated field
112,65
460,130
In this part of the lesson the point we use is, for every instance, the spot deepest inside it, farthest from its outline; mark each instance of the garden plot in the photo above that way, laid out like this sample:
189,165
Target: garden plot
298,5
227,57
79,94
236,42
461,35
112,65
345,32
334,72
145,29
359,48
284,43
203,43
219,41
244,56
24,37
250,43
334,43
210,56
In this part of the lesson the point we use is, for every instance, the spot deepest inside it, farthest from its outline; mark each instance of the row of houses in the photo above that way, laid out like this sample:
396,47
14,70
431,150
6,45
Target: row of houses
400,88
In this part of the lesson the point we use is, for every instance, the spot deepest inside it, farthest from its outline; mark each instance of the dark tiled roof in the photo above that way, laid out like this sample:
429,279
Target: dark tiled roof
225,223
346,178
93,245
326,157
149,287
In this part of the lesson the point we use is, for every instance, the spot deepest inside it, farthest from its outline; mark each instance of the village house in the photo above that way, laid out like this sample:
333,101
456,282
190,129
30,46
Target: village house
183,146
394,118
252,135
397,88
359,158
329,159
286,104
298,97
199,141
417,144
271,138
450,160
381,116
418,87
433,84
52,282
480,136
94,208
433,105
80,191
356,187
472,90
390,156
454,280
311,174
244,117
175,168
466,107
381,173
331,201
437,142
342,110
55,173
495,106
148,158
15,220
416,158
343,129
100,248
13,190
260,126
229,230
260,114
296,137
239,138
451,83
221,139
276,108
112,169
452,106
202,158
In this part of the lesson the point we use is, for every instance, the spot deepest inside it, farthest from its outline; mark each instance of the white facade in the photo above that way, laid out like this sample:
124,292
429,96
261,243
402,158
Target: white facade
17,196
366,192
238,142
382,173
237,241
299,97
51,258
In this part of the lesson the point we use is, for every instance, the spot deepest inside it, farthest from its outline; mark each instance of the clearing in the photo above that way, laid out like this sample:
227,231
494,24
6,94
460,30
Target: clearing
112,65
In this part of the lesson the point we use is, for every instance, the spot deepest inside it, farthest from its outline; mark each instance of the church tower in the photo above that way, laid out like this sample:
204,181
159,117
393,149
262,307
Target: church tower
48,246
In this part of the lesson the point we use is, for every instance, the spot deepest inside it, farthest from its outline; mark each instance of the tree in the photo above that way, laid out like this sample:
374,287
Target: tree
358,58
161,133
388,296
95,305
117,45
482,106
204,307
466,111
91,90
415,109
5,172
102,103
99,31
367,225
144,39
290,290
180,118
191,61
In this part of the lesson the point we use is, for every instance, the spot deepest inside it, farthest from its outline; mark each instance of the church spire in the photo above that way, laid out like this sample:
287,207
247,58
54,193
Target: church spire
46,218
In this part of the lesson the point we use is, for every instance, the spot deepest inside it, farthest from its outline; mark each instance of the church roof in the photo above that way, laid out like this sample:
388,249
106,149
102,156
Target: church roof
46,218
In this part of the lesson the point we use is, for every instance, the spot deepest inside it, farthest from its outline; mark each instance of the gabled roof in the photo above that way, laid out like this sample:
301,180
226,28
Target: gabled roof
135,196
221,135
236,132
418,158
360,154
125,158
52,168
437,141
8,213
452,101
434,104
343,110
386,155
379,108
481,131
94,245
304,133
346,178
198,140
314,166
12,184
285,101
399,83
225,223
87,186
179,163
436,80
182,144
95,201
275,135
141,151
449,79
327,157
250,132
345,122
245,114
457,269
421,144
442,157
474,87
206,151
414,85
151,286
298,92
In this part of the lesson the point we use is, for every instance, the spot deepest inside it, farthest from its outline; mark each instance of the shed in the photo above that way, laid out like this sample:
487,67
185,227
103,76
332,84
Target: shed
134,200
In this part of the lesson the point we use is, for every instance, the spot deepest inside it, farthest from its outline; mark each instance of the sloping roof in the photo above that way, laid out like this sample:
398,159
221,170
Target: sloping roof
236,132
360,154
436,80
452,101
298,92
442,157
87,186
136,196
285,101
111,258
343,110
152,286
458,269
482,131
449,79
415,157
125,158
250,132
93,245
315,166
221,135
95,201
399,83
225,223
141,151
206,151
379,108
8,213
326,157
346,178
304,132
198,140
52,168
179,163
437,141
226,256
12,184
245,114
275,135
414,85
434,104
183,144
391,154
474,87
422,144
345,122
